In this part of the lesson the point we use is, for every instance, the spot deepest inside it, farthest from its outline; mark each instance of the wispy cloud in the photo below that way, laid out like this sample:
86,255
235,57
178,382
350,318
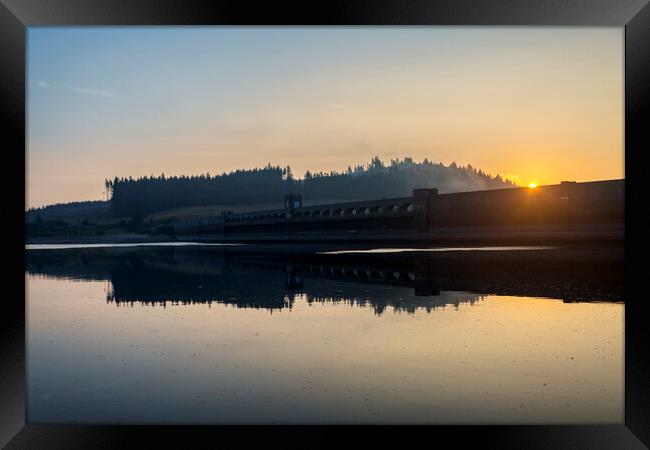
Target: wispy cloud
95,92
80,90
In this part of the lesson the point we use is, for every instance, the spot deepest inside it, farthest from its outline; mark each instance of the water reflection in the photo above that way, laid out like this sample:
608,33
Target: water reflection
259,278
291,335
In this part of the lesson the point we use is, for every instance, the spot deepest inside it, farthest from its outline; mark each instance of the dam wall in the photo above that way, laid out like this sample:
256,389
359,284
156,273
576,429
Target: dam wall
590,210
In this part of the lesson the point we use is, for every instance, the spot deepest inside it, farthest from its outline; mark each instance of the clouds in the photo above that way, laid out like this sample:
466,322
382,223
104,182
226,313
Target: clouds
79,90
93,92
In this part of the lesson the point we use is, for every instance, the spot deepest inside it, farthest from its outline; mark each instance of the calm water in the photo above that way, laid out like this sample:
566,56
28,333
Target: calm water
240,335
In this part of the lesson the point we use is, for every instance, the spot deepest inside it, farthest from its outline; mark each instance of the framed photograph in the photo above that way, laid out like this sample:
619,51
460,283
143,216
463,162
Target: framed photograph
243,220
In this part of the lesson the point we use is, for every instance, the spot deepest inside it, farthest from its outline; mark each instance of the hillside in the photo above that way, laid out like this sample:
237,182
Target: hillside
70,211
147,207
147,195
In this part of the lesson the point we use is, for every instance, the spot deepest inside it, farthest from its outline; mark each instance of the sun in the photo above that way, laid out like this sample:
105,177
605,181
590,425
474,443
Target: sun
532,185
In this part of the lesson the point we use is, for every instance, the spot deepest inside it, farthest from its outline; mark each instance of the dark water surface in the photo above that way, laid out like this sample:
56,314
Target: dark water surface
243,334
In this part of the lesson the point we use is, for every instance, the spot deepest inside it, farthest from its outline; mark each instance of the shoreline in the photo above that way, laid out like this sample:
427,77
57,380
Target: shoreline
125,238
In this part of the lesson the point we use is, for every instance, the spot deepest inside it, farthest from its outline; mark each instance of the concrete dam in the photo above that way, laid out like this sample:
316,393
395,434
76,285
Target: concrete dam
566,212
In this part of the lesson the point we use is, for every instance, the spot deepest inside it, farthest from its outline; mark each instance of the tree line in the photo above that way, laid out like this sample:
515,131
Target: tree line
91,209
137,197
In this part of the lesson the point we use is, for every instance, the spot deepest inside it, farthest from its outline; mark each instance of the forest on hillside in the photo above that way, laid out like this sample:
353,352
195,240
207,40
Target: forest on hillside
91,209
131,197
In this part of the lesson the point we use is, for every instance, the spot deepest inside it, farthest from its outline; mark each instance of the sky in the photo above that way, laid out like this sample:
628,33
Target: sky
535,104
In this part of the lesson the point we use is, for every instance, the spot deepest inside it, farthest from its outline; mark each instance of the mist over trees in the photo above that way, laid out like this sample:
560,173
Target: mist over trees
136,197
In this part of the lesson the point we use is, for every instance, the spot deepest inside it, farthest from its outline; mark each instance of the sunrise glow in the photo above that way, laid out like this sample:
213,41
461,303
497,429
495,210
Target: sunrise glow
107,102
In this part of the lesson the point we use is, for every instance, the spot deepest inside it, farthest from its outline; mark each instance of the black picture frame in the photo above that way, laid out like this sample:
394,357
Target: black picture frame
16,15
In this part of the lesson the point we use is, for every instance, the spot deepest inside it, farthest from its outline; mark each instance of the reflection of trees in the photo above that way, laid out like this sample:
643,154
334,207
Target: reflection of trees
272,288
401,301
272,280
152,285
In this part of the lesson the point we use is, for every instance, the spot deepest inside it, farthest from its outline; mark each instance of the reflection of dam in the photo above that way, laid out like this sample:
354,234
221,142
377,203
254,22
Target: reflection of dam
187,276
272,280
571,275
